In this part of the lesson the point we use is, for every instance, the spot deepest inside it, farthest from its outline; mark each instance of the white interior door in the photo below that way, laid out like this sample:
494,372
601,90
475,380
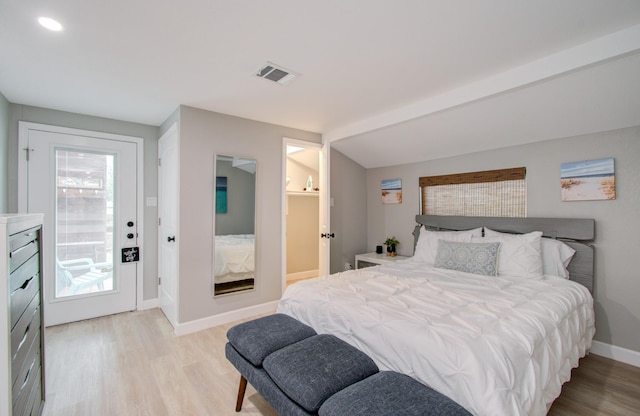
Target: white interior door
86,186
168,224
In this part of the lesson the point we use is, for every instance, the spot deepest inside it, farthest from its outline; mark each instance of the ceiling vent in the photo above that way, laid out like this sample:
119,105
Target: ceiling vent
276,73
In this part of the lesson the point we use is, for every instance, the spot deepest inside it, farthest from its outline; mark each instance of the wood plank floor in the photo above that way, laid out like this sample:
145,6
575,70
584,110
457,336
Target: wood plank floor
132,364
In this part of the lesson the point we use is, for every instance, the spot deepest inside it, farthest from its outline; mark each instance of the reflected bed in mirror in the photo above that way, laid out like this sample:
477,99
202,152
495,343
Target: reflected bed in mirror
234,225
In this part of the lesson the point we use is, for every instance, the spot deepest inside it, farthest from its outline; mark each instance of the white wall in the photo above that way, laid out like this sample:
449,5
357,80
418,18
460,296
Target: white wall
299,173
204,134
617,242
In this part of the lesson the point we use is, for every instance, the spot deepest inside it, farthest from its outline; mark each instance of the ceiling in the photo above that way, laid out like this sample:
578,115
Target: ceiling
386,82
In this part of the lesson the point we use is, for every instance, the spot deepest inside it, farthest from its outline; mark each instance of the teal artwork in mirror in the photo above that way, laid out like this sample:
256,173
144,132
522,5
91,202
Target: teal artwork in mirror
234,225
221,194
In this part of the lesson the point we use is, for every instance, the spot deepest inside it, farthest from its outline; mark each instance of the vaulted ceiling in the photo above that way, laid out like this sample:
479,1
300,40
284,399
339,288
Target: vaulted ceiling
386,82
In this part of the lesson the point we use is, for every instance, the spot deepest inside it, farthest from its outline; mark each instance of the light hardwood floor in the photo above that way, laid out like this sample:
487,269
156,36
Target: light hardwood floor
132,364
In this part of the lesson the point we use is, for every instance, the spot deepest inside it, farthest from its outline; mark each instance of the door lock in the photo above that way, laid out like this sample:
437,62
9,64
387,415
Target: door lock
170,239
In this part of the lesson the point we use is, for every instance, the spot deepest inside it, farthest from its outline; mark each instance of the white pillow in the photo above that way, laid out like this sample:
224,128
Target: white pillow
476,232
520,254
427,246
556,256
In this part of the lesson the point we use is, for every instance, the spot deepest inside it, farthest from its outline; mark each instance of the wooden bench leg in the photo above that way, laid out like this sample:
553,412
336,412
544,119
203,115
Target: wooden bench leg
241,389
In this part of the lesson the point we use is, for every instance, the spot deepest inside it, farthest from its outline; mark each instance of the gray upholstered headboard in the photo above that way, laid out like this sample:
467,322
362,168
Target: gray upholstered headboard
576,232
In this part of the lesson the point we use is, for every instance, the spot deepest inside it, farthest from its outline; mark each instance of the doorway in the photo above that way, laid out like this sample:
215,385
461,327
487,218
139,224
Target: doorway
302,210
86,184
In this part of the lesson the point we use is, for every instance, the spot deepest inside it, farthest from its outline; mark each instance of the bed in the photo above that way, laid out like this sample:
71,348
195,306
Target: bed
497,345
234,258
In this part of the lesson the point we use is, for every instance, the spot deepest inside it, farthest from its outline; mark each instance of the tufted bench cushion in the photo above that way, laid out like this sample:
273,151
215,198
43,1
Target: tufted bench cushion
260,380
312,370
301,373
256,339
390,393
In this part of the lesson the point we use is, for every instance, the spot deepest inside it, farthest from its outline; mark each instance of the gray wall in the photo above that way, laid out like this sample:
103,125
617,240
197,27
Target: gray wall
150,135
240,215
202,135
348,213
4,145
617,241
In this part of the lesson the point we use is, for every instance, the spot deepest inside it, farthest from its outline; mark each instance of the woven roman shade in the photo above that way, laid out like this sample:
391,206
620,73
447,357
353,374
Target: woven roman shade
492,193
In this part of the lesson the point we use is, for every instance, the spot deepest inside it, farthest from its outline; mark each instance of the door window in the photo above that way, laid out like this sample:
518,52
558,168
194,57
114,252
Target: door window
83,222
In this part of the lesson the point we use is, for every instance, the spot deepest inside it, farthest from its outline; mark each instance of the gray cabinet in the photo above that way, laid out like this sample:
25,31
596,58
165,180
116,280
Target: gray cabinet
22,347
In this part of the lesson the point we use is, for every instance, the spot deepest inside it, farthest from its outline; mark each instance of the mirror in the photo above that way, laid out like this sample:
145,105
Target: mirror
234,225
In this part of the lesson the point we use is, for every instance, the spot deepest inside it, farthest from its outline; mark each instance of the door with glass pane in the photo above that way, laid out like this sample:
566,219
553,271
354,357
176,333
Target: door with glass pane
86,187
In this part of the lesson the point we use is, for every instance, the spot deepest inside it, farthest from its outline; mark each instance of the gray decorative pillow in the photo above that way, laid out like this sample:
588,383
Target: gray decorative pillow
478,258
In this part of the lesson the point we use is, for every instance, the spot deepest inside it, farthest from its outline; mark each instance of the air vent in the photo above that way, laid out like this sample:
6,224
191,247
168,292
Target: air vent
276,73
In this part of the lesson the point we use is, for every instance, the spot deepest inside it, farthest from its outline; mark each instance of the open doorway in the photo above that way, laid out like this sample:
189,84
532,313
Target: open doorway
302,210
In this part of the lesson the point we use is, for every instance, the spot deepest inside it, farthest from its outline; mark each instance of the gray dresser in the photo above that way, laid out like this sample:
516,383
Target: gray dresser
21,329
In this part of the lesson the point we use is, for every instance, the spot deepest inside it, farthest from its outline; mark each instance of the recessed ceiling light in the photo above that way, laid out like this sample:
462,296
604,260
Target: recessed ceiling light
50,24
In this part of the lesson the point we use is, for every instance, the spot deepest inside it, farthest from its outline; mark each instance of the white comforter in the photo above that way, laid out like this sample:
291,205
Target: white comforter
495,345
234,254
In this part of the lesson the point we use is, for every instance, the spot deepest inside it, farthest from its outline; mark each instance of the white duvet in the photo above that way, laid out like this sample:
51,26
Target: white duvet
495,345
234,253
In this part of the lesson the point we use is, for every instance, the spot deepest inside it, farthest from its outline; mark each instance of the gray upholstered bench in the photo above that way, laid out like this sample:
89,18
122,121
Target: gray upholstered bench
302,373
253,341
390,393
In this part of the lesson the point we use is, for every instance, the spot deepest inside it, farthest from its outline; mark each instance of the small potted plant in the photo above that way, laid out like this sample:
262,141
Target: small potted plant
391,244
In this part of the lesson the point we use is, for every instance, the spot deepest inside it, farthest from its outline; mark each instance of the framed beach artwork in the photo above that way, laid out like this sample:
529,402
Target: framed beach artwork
588,180
392,191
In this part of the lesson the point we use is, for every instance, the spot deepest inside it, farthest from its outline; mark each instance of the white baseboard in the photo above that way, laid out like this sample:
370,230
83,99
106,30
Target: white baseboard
616,353
224,318
303,275
149,304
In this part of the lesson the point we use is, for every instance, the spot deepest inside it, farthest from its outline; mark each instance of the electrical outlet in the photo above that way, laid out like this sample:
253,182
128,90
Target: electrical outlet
348,266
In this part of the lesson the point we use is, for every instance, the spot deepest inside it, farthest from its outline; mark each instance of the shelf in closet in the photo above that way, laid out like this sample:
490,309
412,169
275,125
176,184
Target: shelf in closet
303,193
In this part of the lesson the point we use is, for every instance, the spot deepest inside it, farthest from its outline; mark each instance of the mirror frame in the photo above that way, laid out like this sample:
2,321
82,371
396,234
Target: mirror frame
237,241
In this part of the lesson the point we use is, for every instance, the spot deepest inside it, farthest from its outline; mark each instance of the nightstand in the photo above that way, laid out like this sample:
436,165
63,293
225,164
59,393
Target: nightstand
374,259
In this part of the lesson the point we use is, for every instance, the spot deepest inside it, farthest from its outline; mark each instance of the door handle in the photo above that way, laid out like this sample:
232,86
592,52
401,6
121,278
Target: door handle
327,235
172,238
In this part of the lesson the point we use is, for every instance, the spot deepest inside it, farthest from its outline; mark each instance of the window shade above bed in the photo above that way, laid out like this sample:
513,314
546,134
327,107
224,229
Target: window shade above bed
496,193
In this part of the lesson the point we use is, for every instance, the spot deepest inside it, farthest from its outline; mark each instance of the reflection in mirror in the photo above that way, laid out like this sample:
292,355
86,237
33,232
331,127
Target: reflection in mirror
234,239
